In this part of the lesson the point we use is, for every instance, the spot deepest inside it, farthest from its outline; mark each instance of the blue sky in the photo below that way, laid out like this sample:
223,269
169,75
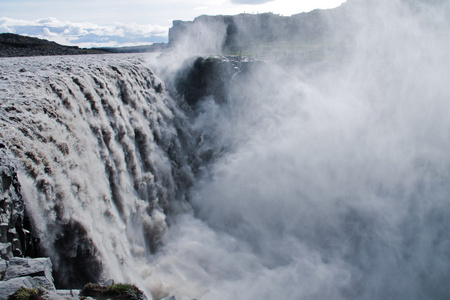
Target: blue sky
89,23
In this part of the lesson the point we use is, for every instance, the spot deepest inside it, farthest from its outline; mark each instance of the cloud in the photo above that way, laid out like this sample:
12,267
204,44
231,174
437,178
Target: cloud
253,2
86,34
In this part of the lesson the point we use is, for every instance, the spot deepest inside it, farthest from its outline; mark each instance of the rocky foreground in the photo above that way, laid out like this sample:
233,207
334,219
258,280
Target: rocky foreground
25,273
28,278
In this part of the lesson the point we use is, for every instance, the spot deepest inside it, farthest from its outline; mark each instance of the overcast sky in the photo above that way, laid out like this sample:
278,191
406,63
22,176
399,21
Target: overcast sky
127,22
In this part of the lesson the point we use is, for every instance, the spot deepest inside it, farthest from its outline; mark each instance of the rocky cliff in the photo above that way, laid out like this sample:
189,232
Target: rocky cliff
15,236
241,32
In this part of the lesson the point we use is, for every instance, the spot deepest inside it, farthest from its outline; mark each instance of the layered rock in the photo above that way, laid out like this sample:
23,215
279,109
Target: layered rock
27,273
201,77
15,236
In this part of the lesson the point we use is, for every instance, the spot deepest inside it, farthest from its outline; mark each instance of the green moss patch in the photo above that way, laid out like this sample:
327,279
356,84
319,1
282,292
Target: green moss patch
26,294
120,291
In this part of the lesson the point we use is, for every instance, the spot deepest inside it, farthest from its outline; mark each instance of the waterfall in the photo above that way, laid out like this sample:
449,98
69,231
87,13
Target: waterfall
103,155
326,178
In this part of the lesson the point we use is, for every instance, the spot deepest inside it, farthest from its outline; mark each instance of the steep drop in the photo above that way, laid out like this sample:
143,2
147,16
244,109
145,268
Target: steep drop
102,156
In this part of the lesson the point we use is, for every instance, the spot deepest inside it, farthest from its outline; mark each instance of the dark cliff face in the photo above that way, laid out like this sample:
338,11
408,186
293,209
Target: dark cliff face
208,85
212,76
204,77
16,237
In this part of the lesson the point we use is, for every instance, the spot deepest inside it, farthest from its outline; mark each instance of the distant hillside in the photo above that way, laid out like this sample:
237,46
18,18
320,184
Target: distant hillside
18,45
305,35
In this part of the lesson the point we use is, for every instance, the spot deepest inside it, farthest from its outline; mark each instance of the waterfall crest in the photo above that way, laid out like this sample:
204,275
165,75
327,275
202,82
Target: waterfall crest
102,149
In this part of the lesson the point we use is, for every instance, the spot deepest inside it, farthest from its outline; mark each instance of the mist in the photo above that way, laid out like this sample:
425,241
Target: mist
335,179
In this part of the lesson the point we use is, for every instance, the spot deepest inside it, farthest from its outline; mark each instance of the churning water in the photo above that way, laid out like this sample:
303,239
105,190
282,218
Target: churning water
324,181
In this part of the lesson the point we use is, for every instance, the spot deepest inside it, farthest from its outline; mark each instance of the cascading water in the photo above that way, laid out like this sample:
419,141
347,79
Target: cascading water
102,145
321,181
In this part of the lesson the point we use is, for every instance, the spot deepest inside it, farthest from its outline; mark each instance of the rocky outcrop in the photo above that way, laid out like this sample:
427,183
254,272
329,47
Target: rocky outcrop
15,236
16,239
211,76
34,276
8,288
27,273
38,267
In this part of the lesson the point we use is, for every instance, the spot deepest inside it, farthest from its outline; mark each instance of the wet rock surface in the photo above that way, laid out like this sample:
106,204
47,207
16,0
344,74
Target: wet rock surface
202,77
16,239
15,236
38,267
25,272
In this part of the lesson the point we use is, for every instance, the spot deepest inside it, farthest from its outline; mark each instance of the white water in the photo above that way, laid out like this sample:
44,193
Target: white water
94,135
335,184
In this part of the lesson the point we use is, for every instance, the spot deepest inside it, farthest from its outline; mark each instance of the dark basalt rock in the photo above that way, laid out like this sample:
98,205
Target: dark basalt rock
78,262
206,76
202,77
15,233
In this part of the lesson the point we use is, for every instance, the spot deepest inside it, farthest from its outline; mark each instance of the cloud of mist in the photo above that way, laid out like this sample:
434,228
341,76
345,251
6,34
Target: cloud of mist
337,184
204,37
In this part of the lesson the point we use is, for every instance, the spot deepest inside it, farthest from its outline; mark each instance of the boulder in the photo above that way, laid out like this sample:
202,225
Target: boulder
28,273
8,288
37,267
43,282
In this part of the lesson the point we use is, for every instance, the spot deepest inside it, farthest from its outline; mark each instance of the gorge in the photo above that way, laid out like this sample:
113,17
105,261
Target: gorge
318,172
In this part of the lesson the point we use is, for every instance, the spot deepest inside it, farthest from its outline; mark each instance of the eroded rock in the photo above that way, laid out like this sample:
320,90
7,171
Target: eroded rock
8,288
19,267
